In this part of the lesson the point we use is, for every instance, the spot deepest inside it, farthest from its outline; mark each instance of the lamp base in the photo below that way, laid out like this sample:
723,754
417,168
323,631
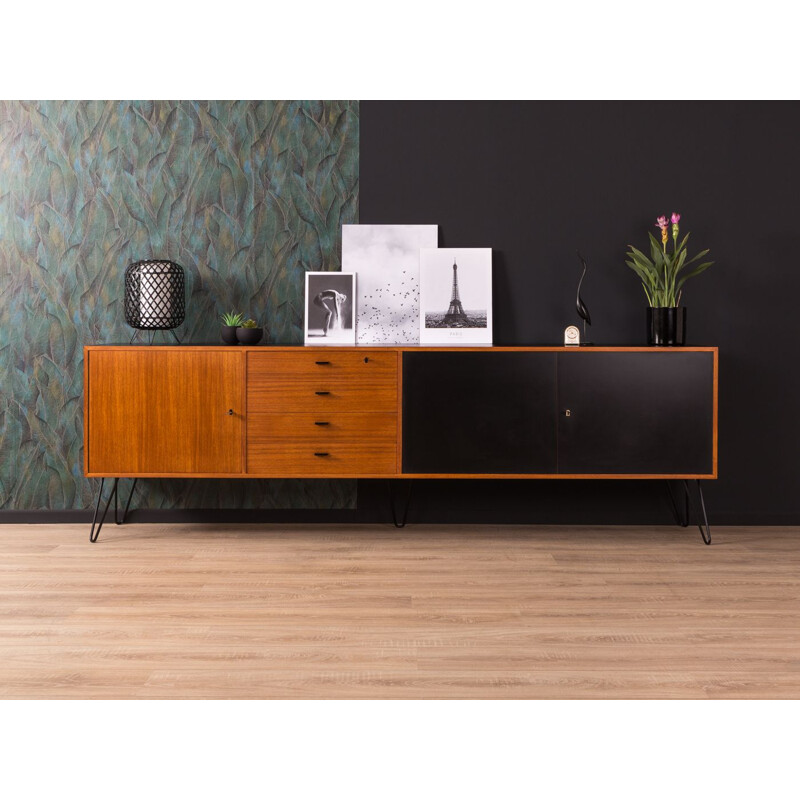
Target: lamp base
152,335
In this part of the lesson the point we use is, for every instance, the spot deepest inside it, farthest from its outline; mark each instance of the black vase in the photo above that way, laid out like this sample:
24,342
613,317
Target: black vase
249,335
666,327
228,333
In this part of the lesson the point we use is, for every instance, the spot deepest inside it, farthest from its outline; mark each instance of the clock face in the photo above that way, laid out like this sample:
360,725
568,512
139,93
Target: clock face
571,335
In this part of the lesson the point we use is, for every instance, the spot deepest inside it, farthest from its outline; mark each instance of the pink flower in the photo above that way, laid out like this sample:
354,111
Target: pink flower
676,218
661,222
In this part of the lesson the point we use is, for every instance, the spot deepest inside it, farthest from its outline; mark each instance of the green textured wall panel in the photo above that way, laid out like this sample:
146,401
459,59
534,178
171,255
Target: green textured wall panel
246,196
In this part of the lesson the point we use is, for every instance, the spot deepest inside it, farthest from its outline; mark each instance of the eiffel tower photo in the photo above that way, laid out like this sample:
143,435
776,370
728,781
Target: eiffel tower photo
455,313
466,319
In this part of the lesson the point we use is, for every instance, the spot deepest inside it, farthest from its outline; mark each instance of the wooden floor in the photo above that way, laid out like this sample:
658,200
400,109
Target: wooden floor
209,611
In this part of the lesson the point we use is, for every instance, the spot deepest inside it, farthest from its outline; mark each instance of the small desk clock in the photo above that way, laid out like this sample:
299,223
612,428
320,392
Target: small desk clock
572,337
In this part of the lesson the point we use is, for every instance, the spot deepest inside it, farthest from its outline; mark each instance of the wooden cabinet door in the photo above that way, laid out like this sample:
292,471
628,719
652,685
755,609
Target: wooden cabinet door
647,413
479,413
156,412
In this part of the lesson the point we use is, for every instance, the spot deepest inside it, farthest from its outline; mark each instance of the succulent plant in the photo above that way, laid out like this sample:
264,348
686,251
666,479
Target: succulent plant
232,320
251,323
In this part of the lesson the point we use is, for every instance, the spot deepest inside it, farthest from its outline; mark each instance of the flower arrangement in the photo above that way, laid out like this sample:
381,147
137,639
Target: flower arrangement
664,273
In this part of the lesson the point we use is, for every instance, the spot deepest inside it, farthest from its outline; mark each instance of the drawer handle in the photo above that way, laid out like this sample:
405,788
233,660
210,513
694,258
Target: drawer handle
230,412
322,423
322,363
321,455
366,359
321,392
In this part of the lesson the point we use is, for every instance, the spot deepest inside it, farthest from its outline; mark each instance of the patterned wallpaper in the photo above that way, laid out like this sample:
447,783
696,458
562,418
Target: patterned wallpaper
246,196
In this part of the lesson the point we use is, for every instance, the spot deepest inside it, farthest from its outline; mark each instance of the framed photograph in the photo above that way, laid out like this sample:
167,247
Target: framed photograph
456,296
330,307
386,260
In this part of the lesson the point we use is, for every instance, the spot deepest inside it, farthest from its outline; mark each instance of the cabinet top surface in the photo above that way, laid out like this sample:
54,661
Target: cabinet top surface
265,348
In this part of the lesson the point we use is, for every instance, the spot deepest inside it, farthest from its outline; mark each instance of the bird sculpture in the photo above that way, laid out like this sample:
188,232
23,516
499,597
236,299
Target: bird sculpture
583,311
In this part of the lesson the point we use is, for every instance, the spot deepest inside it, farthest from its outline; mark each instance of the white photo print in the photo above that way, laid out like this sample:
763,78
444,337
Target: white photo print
456,296
386,261
330,302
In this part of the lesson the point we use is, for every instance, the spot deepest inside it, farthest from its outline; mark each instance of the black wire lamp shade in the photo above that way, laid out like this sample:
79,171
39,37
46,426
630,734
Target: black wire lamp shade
155,295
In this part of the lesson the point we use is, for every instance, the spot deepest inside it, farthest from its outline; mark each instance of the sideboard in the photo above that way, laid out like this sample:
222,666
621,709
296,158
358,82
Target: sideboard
401,413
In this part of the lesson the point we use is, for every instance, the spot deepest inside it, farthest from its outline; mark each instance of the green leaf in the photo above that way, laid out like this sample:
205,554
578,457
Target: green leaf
641,260
644,276
675,269
696,271
647,269
639,255
695,258
655,246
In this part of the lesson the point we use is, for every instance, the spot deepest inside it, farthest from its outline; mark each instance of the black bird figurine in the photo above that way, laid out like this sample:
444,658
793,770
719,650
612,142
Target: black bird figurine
583,311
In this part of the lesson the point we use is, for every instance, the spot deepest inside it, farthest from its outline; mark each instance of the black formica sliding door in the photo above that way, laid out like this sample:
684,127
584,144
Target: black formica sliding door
479,412
586,412
635,413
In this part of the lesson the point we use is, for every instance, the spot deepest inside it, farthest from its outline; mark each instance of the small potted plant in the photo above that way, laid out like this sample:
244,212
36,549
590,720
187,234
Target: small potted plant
230,322
249,332
663,275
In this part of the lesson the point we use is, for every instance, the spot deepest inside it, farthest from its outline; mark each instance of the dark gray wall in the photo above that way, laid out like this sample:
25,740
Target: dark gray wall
535,180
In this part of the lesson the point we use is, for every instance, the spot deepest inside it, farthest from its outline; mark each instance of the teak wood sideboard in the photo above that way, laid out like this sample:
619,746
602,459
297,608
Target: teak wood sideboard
401,412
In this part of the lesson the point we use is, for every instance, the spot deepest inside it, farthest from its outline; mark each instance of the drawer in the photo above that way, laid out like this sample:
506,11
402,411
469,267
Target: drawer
321,429
346,365
299,460
282,396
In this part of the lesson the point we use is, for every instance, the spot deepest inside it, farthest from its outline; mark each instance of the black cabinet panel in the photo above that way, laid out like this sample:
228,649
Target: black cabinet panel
637,413
479,412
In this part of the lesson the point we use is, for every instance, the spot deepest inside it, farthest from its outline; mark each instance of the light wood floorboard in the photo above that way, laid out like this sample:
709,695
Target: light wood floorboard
277,611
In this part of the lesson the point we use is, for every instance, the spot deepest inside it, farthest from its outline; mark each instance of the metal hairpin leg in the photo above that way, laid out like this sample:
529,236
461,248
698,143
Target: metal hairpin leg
700,513
390,487
94,533
682,520
127,505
